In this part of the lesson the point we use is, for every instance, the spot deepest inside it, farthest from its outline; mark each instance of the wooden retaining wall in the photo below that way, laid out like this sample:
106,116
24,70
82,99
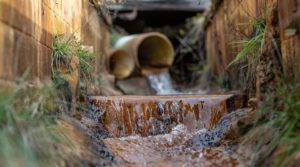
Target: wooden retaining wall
27,28
289,12
225,27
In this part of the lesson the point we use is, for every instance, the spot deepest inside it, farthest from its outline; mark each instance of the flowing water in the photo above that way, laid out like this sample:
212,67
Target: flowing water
162,84
180,147
151,115
173,128
177,130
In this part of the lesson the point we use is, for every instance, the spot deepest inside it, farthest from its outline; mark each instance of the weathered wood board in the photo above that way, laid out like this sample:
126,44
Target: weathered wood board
28,26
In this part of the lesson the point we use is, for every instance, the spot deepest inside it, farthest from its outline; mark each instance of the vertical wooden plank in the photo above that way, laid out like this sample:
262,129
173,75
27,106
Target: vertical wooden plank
6,51
298,41
44,61
289,45
27,28
25,54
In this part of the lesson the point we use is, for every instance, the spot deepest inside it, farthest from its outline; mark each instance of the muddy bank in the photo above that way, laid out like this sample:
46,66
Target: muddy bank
87,136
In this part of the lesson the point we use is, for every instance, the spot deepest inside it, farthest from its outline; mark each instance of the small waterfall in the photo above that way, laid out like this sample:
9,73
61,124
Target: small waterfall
162,84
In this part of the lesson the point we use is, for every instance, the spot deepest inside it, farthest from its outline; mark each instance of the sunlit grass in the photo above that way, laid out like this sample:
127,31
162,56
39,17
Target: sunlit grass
65,48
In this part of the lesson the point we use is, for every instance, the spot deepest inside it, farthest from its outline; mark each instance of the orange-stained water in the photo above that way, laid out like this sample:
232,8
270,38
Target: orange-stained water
152,115
185,130
172,149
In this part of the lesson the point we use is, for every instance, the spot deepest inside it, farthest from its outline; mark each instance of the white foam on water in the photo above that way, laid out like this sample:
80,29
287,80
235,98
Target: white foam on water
162,84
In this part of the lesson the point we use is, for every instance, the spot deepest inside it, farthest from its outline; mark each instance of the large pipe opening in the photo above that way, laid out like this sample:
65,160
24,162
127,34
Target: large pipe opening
121,64
155,51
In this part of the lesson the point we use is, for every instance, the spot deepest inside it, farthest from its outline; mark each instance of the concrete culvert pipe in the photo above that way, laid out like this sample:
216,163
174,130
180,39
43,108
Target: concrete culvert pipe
149,49
121,64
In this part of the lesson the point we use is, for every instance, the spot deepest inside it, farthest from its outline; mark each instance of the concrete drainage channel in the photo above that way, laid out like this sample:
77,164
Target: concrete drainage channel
182,129
176,130
163,130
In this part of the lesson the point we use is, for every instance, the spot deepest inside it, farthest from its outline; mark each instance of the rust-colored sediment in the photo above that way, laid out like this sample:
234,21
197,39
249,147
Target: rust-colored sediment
148,115
168,150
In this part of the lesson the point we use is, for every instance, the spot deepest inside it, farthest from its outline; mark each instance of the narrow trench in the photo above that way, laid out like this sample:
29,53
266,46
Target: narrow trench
166,124
149,83
171,130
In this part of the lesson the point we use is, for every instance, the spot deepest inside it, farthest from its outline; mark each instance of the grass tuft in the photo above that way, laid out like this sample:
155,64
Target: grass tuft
65,49
29,134
277,131
251,48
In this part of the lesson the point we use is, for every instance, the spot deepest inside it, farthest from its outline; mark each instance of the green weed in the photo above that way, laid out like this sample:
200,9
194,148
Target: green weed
287,121
29,134
67,47
250,49
277,131
86,59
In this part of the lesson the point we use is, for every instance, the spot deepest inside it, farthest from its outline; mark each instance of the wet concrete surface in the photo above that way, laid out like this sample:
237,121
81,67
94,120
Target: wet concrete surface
153,115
